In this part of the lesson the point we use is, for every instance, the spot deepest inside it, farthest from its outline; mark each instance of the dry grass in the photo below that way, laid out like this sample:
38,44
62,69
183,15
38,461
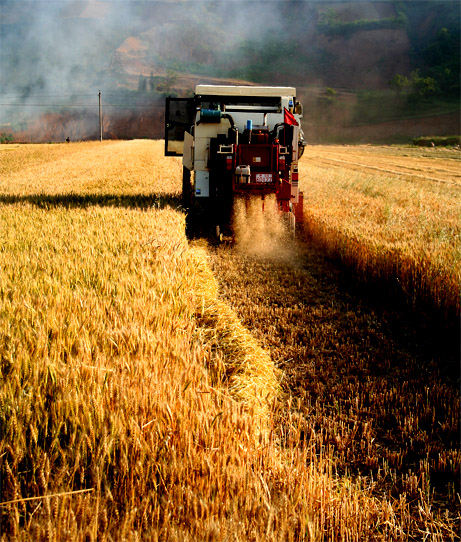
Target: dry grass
390,213
108,383
123,374
115,168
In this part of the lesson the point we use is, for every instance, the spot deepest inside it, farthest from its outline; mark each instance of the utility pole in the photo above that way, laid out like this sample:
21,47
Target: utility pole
100,117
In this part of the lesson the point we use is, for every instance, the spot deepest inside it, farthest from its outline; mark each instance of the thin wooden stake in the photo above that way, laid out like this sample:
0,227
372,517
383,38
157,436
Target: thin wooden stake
100,117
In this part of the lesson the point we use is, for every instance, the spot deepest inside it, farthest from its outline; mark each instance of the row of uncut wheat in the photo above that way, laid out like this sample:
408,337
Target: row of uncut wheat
106,383
124,400
399,222
133,404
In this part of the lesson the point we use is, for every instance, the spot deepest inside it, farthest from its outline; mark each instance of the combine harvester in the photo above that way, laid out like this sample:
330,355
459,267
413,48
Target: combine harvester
239,141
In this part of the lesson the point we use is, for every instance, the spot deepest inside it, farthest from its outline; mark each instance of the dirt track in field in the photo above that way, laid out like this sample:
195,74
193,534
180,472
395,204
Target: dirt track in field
359,365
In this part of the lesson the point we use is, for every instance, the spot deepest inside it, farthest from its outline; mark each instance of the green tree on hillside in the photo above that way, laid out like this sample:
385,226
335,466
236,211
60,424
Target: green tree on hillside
416,87
434,32
442,57
423,86
399,83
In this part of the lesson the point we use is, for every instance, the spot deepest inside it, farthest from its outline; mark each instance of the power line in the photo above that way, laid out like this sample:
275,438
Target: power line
47,105
18,99
21,95
77,105
35,95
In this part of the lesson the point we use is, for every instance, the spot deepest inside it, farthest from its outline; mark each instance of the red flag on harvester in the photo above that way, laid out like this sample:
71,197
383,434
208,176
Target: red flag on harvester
289,118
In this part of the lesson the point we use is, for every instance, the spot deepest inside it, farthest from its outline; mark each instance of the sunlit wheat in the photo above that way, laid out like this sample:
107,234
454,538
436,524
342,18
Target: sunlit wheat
125,375
392,214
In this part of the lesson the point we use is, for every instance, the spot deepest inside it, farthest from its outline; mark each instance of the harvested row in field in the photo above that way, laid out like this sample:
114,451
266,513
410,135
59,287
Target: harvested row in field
434,164
371,389
394,226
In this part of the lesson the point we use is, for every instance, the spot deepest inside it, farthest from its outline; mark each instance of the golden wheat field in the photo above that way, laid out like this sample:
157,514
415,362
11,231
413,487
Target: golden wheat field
155,388
390,213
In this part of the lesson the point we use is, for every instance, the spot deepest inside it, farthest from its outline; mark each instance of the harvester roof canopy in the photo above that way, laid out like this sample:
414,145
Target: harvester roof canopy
223,90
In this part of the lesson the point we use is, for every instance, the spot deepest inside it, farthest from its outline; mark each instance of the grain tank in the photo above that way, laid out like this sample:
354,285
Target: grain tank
236,141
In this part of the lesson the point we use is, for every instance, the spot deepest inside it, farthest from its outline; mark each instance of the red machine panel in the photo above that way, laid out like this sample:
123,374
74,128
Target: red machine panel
262,160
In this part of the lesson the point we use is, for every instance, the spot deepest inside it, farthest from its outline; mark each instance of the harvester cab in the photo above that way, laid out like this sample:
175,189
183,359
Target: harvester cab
236,141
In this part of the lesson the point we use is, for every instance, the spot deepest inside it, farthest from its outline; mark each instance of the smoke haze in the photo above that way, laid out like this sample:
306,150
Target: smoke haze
72,46
56,55
75,45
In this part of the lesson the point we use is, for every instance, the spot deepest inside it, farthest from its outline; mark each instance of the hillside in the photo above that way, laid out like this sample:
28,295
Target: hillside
57,56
